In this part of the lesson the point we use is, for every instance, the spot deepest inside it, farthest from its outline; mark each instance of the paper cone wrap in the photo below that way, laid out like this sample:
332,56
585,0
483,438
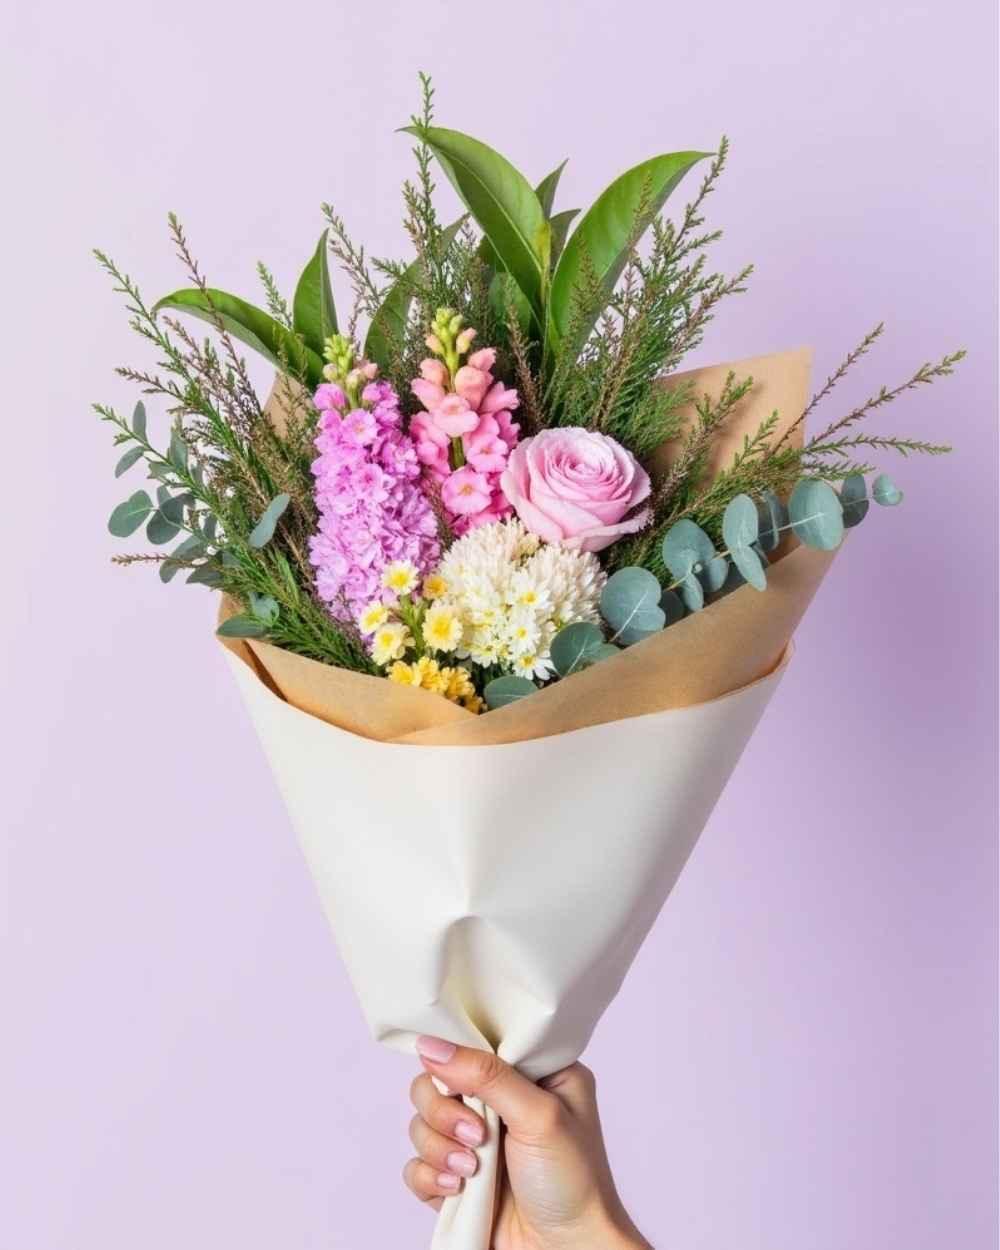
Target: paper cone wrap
489,879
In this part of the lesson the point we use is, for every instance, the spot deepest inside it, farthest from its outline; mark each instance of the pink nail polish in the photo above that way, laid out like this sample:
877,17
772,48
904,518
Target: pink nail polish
462,1163
447,1181
470,1132
436,1049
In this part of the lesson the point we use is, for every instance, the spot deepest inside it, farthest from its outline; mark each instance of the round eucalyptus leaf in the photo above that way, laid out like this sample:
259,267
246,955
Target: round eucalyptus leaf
161,529
169,569
503,690
816,514
139,419
241,627
750,567
713,574
772,519
686,544
740,524
128,516
672,607
886,492
128,460
173,509
630,603
690,590
854,500
574,647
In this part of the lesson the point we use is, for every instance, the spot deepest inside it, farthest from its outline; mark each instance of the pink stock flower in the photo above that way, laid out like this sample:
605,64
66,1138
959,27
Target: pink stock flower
466,492
455,416
473,418
576,487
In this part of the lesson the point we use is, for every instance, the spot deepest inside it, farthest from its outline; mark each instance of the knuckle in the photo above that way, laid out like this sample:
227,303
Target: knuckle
490,1070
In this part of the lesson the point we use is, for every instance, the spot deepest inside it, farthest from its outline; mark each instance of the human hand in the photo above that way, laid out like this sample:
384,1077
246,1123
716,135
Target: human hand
557,1189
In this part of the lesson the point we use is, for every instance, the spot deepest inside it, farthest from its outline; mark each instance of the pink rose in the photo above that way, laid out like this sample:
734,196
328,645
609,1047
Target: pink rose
576,487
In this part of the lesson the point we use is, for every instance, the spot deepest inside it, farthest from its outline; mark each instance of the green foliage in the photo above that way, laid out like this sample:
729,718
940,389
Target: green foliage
263,531
886,492
249,325
503,690
502,201
128,516
314,315
601,244
630,603
816,514
576,647
854,499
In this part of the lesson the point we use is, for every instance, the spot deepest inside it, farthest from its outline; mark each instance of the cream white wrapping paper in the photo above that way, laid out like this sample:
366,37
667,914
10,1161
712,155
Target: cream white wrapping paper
497,895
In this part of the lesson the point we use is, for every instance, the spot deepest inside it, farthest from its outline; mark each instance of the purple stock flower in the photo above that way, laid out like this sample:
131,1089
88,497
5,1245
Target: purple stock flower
368,490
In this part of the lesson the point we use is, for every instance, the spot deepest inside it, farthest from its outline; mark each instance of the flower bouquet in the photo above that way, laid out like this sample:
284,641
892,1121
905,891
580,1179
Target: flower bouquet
504,591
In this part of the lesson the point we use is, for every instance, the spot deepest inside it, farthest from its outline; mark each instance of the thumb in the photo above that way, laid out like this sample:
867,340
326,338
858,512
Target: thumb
526,1110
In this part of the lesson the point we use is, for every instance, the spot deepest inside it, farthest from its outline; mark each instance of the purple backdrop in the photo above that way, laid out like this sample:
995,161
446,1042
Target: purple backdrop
184,1060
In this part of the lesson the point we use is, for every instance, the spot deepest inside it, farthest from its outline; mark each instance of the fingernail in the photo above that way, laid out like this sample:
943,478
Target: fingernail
447,1181
462,1163
470,1132
436,1049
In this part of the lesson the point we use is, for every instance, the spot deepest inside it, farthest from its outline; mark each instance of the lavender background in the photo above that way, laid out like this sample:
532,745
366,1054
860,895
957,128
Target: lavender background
804,1055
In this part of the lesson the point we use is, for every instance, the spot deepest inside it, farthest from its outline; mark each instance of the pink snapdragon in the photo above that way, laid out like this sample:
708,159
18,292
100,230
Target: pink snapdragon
373,509
466,431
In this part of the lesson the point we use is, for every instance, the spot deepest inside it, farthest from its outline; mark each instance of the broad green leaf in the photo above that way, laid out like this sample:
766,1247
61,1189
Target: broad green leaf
560,224
128,516
263,531
546,189
128,460
139,419
314,314
190,549
503,690
242,627
575,647
506,297
389,323
630,603
609,228
250,325
502,201
162,472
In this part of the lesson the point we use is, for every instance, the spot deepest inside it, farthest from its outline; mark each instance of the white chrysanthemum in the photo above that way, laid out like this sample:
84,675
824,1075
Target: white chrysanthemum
513,594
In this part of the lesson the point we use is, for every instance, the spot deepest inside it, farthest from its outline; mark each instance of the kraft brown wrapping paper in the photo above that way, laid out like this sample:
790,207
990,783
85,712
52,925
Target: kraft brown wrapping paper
729,645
